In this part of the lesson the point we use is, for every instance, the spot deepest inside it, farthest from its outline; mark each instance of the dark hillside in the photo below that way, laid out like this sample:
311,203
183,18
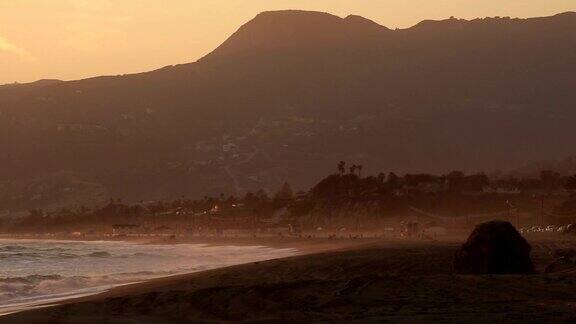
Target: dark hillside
293,91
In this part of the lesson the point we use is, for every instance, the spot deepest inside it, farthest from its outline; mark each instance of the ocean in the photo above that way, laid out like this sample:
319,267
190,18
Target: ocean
36,272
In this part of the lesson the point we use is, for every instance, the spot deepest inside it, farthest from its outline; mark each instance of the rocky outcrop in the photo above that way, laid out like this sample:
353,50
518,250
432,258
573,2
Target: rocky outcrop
494,247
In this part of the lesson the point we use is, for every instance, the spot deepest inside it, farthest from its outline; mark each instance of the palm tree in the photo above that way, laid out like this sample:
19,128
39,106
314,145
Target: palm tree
360,167
353,169
342,167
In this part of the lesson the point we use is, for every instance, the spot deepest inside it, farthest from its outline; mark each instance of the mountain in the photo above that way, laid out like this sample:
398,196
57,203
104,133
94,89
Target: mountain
289,95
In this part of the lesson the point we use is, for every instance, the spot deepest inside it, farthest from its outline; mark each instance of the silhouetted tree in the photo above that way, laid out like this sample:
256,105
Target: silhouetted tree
284,196
353,169
455,180
250,199
571,183
476,182
262,195
416,179
393,181
285,192
342,167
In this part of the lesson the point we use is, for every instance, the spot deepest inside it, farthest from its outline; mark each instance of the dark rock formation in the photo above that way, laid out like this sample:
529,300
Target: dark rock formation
494,247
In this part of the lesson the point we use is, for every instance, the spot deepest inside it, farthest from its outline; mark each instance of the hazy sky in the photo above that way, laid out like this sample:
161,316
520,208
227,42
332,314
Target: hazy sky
71,39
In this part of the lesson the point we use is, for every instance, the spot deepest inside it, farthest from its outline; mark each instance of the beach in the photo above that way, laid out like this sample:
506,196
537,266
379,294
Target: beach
375,281
35,272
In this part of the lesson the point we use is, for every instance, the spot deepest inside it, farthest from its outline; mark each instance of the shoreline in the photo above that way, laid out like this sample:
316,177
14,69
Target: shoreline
370,281
302,246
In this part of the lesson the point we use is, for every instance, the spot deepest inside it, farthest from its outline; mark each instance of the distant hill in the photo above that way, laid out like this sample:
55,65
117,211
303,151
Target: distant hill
293,92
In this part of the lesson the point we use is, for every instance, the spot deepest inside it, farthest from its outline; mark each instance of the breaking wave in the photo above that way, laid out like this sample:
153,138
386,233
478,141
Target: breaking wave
35,272
21,289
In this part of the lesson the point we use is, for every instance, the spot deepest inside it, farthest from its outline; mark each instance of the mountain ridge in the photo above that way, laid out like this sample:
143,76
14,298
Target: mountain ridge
563,15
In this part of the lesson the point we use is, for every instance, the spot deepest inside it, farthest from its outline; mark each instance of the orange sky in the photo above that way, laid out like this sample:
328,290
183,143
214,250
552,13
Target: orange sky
71,39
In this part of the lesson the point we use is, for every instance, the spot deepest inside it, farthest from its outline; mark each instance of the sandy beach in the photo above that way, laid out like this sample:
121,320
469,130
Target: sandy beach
366,281
256,249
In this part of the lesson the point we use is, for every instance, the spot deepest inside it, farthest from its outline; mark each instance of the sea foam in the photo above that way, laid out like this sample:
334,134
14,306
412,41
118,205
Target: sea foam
34,272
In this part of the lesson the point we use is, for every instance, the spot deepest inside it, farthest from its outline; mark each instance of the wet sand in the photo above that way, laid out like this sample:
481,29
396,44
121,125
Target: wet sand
376,281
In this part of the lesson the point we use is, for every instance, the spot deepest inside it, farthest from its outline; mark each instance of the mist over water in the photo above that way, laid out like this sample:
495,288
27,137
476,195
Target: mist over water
36,271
